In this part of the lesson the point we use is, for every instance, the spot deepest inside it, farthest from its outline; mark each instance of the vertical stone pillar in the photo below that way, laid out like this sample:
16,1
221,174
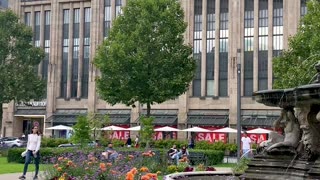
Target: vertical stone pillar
188,7
42,25
113,11
204,49
216,49
291,17
255,45
270,43
235,37
241,43
70,54
81,43
96,38
55,62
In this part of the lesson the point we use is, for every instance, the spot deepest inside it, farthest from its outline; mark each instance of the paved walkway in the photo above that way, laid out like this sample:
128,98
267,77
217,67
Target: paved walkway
13,176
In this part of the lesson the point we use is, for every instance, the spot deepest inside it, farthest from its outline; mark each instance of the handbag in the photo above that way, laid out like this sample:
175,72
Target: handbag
24,153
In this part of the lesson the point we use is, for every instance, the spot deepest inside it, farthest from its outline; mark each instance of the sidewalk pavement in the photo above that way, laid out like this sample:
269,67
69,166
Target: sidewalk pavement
13,176
29,176
224,169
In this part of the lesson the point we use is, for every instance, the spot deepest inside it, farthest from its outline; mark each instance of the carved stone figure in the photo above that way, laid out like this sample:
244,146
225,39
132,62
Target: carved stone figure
274,137
291,130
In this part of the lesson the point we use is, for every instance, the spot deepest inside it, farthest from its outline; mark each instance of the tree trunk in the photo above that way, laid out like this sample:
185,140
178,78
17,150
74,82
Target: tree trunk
148,109
1,112
148,115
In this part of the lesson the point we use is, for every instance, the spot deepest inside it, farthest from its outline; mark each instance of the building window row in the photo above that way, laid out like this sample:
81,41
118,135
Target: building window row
211,15
277,27
86,53
38,41
197,46
263,45
303,7
248,47
65,53
75,66
223,48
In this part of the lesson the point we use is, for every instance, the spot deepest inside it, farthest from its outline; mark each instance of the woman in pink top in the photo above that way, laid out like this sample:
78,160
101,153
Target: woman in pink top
33,147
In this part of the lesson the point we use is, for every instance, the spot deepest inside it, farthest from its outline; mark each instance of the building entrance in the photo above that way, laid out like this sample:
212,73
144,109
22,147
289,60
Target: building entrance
31,122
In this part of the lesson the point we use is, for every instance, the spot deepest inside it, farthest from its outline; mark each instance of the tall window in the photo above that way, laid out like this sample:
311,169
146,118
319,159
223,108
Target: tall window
118,7
277,27
47,19
37,29
86,53
248,47
223,48
75,54
27,18
263,45
197,40
65,50
210,46
36,33
303,7
107,17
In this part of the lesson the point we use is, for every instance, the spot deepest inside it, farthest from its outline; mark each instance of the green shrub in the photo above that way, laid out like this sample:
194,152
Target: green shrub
53,142
181,166
232,148
4,152
172,169
168,143
118,143
242,166
14,154
213,156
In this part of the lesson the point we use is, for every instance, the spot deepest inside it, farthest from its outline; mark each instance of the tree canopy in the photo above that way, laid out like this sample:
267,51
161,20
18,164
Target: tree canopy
144,58
295,66
18,60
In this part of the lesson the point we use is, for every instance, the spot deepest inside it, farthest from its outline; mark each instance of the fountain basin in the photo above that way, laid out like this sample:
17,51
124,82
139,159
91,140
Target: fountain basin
202,175
307,94
269,97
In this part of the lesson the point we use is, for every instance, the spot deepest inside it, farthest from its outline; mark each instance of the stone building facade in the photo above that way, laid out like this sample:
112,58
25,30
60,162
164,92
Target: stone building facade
70,31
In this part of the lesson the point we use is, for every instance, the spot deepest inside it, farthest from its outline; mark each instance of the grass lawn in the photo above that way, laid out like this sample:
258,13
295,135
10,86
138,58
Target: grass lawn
229,165
15,167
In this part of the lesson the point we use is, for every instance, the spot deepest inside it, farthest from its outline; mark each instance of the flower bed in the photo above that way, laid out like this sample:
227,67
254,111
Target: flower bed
74,166
14,154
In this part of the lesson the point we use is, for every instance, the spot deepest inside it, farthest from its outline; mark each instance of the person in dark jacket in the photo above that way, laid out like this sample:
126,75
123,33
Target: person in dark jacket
191,142
129,142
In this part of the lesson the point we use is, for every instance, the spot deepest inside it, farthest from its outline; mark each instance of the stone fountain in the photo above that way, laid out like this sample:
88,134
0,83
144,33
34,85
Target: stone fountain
296,156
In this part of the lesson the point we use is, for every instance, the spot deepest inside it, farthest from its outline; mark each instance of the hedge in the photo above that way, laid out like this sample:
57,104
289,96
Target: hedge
213,157
53,142
159,144
14,154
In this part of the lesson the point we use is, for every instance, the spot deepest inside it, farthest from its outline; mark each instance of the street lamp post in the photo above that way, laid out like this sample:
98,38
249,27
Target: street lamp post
238,103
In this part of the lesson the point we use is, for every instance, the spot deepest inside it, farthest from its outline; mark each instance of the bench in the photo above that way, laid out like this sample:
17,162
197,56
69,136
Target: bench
197,158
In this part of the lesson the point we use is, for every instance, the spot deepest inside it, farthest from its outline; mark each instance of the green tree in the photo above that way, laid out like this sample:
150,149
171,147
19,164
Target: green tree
82,131
96,122
144,59
18,60
147,132
296,65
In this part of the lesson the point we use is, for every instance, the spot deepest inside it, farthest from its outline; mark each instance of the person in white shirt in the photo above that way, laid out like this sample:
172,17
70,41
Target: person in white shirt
33,147
136,142
245,145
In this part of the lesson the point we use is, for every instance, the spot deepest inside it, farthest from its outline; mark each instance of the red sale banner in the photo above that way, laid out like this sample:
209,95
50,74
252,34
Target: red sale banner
210,136
257,138
121,135
164,135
